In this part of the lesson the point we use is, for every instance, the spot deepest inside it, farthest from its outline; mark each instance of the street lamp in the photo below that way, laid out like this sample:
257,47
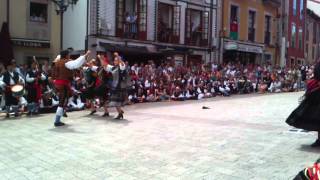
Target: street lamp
61,7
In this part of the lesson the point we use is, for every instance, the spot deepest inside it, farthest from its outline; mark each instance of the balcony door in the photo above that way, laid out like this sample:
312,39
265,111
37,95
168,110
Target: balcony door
197,27
131,19
168,23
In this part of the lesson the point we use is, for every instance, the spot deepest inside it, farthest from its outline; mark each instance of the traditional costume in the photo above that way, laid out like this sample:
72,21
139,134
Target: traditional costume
11,78
120,83
307,115
62,75
33,87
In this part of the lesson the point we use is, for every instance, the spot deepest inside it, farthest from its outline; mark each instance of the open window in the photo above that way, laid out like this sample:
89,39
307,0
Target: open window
38,12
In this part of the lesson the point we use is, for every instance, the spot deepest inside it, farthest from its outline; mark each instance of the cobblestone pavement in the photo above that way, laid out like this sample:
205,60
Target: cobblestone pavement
240,137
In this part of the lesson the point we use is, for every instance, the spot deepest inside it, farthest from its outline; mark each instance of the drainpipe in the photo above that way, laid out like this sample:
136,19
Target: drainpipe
87,27
8,12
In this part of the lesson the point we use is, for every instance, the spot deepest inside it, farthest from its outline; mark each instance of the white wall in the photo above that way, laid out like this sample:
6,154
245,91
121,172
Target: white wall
75,23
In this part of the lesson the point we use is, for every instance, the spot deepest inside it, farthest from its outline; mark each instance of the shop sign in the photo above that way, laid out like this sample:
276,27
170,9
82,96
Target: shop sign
31,43
249,48
230,46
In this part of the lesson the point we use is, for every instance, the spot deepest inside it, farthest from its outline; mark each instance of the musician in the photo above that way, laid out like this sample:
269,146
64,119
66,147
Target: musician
11,78
120,83
33,87
62,75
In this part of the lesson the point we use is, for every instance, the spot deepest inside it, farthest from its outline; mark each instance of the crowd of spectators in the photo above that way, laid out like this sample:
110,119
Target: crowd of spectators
167,82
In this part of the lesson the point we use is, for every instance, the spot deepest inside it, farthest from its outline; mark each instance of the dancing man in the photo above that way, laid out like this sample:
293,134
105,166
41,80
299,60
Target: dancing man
62,75
120,83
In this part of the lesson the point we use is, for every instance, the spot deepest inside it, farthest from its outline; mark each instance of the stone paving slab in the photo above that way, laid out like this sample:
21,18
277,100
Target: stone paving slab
240,137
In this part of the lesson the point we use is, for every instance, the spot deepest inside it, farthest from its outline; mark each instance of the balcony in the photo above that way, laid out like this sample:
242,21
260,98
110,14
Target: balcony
275,3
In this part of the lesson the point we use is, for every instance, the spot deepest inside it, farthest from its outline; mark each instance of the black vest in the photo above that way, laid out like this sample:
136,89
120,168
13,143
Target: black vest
7,76
31,75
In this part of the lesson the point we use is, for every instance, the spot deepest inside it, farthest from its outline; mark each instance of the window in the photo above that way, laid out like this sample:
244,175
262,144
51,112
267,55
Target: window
301,9
267,29
293,35
143,16
205,33
176,20
251,26
294,7
314,32
234,22
300,38
38,12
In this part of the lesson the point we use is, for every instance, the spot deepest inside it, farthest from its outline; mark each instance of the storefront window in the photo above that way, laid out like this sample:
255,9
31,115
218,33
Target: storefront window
38,12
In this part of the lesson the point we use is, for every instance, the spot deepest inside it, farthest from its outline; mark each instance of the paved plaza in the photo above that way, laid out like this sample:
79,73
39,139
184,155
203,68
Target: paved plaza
240,137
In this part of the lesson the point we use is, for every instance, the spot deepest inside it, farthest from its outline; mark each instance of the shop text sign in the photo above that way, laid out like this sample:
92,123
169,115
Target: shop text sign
30,43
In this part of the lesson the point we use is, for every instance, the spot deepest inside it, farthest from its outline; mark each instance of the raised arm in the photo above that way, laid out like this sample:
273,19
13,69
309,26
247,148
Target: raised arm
75,64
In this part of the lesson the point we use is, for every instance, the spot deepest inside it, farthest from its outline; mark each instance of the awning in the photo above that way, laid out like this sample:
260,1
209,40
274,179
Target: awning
130,49
258,49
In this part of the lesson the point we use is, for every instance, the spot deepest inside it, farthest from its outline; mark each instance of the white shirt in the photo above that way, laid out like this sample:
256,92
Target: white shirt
75,64
108,68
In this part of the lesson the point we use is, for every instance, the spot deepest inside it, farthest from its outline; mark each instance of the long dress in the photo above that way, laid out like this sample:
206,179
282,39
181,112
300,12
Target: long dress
119,86
307,115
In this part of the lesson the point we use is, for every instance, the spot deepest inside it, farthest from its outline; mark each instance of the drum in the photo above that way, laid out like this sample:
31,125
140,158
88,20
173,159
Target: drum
17,90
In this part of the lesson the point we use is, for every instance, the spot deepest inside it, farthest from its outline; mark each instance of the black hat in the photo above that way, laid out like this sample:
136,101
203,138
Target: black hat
64,54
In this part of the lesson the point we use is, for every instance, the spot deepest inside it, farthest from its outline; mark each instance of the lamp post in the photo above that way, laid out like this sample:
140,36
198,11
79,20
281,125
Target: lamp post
61,7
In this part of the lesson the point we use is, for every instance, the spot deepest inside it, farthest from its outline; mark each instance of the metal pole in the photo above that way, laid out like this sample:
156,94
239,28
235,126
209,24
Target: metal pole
8,12
87,30
61,30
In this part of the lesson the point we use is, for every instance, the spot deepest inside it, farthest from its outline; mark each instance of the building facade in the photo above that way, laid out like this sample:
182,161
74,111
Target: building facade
249,31
183,32
293,22
34,28
312,46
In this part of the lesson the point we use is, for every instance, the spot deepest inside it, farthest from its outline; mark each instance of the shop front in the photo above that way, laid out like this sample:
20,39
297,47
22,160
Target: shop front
245,53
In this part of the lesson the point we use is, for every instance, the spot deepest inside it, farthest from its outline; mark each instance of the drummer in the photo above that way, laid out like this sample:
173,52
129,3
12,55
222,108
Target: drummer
11,78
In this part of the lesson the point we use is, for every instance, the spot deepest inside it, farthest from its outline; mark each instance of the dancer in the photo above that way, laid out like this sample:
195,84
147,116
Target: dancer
307,115
120,83
62,74
90,76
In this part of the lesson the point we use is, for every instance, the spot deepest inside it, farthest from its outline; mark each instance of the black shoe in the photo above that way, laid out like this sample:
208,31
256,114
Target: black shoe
105,115
65,114
29,114
316,143
16,114
120,116
59,124
8,115
92,112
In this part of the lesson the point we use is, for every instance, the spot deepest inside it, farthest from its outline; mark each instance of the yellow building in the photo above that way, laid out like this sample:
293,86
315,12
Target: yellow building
34,27
249,31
